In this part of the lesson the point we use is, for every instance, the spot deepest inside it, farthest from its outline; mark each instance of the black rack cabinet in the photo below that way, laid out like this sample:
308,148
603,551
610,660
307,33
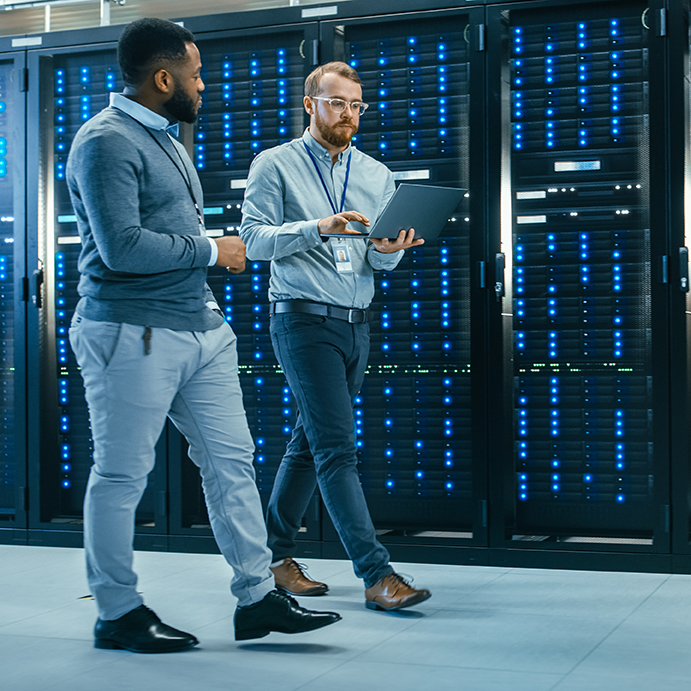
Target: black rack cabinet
67,88
586,355
421,461
527,395
13,481
678,140
252,102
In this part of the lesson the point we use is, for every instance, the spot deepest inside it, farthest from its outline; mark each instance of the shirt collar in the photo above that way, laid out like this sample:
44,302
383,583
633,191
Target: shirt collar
143,114
318,150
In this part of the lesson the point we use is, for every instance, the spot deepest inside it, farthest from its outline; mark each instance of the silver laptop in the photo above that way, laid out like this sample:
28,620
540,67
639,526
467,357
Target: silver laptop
426,208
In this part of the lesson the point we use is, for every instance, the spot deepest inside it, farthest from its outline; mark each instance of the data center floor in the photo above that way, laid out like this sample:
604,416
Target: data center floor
484,628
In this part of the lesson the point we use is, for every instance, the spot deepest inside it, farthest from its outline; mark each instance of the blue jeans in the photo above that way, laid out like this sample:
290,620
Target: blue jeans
324,360
192,378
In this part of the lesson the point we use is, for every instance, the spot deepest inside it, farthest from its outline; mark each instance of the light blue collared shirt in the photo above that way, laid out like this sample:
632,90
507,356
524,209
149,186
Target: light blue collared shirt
284,202
153,121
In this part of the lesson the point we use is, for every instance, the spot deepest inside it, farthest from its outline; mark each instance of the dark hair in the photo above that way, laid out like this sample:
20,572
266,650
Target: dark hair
313,81
146,42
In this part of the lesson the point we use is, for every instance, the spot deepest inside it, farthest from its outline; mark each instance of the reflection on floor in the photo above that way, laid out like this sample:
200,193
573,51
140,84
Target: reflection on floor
484,628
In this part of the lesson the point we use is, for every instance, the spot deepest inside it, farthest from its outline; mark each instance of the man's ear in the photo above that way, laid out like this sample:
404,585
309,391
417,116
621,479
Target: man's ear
163,80
309,105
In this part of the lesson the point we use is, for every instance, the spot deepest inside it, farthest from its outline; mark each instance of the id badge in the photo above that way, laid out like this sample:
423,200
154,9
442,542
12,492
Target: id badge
341,254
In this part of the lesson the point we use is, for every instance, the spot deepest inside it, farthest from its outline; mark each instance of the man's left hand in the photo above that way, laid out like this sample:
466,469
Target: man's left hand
404,241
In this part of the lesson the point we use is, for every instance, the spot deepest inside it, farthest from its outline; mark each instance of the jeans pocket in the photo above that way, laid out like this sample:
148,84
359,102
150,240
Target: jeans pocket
293,322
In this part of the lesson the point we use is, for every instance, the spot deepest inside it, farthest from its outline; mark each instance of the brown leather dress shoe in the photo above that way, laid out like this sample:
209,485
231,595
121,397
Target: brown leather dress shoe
290,577
393,592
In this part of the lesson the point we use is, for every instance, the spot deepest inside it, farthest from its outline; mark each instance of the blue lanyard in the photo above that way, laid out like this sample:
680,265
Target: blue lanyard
326,189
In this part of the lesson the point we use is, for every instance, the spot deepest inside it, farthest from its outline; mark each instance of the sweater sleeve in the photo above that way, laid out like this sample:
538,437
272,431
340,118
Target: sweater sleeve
104,182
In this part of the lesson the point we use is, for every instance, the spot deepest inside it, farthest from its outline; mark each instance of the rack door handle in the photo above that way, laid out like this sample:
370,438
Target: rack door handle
684,269
499,267
38,298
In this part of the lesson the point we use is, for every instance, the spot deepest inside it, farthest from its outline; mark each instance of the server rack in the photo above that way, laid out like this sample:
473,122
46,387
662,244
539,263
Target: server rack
13,480
420,416
495,384
66,88
252,101
585,348
678,151
70,85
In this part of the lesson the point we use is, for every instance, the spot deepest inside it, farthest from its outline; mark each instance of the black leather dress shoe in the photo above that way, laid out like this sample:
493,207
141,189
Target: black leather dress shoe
141,631
278,612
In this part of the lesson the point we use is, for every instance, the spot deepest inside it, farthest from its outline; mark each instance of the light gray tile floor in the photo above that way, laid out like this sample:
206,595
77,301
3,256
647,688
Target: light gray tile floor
485,629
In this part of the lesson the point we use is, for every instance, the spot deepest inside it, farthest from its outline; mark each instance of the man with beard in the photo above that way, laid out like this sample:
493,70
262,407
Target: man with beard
151,343
299,195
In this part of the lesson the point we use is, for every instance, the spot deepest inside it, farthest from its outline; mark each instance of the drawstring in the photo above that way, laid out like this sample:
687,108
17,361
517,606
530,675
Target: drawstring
147,340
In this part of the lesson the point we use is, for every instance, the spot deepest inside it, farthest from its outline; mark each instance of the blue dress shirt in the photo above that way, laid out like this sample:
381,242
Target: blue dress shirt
284,202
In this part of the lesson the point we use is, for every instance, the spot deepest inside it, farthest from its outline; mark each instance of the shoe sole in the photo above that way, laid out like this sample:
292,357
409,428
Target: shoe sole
416,601
305,593
248,635
260,633
105,644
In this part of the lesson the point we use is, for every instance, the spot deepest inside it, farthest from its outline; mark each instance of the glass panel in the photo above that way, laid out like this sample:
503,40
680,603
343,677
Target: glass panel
413,414
252,102
75,87
10,156
581,277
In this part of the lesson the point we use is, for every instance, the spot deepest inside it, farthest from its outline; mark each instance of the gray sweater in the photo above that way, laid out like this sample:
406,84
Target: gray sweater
144,258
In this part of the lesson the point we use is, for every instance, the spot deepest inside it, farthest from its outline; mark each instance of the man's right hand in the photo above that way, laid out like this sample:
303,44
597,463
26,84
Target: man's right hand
338,222
231,253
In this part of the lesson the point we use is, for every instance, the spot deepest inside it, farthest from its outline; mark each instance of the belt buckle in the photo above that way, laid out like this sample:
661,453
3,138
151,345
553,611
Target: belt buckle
352,313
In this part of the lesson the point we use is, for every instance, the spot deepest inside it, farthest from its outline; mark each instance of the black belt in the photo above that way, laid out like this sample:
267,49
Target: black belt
352,316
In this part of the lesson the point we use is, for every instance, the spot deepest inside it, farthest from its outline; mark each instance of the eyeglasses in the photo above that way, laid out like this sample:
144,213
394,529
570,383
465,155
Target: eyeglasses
338,105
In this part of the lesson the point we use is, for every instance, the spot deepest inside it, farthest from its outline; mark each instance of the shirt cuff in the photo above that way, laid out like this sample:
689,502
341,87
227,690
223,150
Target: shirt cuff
214,252
384,261
311,231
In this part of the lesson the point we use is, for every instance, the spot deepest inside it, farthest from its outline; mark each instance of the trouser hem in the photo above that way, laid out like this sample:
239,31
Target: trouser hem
382,573
257,592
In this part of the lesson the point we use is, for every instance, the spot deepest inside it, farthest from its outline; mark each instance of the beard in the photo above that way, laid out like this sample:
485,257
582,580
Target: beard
181,106
336,135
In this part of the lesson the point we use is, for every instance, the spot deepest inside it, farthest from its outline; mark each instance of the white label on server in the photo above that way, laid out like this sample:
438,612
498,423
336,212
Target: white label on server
422,174
575,166
521,220
533,194
319,11
28,41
